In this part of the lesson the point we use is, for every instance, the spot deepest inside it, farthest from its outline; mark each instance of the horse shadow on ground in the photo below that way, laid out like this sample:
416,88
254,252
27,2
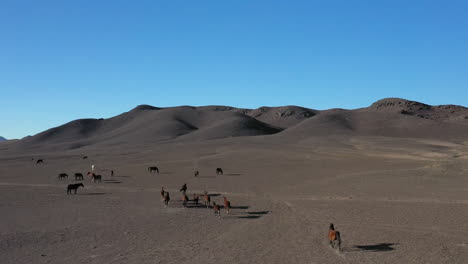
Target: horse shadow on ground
112,181
232,174
253,215
95,193
380,247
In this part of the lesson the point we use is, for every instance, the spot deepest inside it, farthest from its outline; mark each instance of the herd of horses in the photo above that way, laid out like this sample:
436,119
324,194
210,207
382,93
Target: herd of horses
334,236
165,198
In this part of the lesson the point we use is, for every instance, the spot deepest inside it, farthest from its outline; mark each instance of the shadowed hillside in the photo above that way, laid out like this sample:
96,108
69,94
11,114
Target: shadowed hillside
391,117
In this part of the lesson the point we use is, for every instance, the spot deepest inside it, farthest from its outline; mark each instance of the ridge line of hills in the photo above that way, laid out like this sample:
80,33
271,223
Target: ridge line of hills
391,117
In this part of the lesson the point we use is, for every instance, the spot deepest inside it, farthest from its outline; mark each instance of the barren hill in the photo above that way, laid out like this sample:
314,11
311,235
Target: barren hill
391,117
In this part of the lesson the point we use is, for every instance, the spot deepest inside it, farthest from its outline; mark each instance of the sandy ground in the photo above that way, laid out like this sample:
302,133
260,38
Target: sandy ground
393,200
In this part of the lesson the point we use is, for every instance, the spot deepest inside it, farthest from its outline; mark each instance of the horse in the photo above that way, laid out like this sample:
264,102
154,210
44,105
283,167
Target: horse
78,176
219,171
227,205
39,161
207,199
73,187
163,193
96,178
62,176
184,188
334,237
195,198
85,157
196,173
166,198
153,169
185,199
217,209
112,173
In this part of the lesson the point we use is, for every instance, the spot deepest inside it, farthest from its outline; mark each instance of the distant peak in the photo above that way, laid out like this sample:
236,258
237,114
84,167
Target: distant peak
396,102
145,107
2,139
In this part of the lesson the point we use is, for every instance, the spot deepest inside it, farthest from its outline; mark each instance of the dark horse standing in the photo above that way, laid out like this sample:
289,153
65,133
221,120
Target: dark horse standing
62,176
219,171
153,169
74,187
78,176
39,161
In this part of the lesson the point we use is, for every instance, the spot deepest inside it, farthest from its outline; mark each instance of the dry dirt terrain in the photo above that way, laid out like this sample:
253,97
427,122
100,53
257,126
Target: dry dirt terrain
391,177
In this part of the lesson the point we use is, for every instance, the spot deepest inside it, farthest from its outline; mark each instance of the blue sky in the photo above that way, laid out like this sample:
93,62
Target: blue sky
63,60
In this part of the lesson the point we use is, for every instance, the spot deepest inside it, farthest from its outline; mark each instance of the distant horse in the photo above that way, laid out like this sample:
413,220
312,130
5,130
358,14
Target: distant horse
78,176
334,237
163,193
153,169
219,171
39,161
185,199
217,209
85,157
196,173
227,205
183,188
207,199
195,198
96,178
73,187
112,173
166,198
62,176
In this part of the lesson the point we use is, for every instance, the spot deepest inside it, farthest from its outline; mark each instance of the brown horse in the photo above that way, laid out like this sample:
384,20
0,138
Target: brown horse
96,178
78,176
334,237
227,205
217,209
153,169
207,199
74,187
163,193
62,176
167,198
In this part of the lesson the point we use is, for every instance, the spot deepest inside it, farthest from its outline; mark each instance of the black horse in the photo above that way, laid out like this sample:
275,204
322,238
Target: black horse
74,187
184,188
85,157
196,173
219,171
153,169
78,176
39,161
62,176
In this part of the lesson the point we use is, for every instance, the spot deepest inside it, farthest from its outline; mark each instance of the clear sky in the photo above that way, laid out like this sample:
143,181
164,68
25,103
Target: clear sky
64,60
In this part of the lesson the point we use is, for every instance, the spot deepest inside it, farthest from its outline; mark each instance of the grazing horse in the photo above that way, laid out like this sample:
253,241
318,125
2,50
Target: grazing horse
96,178
207,199
73,187
217,209
78,176
219,171
153,169
195,198
39,161
196,174
62,176
185,199
227,205
334,237
166,198
184,188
